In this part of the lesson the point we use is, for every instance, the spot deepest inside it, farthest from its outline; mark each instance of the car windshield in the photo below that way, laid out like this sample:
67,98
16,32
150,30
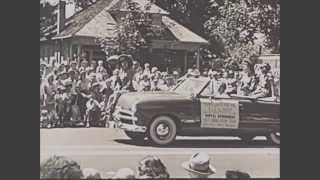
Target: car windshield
190,86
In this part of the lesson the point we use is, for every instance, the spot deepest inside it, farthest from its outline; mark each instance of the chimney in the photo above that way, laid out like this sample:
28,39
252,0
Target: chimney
61,16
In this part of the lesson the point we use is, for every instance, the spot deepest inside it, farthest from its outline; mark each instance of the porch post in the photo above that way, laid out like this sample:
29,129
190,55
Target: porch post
90,55
198,58
185,61
79,52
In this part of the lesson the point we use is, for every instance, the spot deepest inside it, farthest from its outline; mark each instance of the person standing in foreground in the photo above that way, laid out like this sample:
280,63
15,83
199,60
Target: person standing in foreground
199,166
151,167
59,167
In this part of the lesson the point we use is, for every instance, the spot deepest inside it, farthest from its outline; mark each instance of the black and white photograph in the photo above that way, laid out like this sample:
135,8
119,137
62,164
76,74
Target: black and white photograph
143,89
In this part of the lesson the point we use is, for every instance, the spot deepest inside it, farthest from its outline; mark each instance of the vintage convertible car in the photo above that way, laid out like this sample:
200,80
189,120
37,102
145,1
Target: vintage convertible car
190,109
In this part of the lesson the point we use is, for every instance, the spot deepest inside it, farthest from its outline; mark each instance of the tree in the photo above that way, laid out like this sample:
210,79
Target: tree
47,17
133,31
240,28
82,4
190,13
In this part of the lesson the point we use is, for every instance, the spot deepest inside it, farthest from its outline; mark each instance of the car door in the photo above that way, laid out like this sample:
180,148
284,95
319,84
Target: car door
258,114
213,115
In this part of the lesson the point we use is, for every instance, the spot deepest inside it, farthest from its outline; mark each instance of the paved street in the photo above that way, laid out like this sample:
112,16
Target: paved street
109,149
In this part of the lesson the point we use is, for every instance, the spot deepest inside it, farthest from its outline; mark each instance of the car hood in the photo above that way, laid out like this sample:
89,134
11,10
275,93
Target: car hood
129,99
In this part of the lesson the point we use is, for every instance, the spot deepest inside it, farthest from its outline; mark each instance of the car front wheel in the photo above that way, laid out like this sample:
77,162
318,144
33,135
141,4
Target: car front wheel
135,135
162,130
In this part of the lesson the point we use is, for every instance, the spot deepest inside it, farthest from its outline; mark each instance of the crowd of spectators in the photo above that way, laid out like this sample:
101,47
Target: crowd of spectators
150,167
78,91
82,91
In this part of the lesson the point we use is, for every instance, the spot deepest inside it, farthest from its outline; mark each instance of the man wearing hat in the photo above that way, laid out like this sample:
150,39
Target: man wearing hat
199,166
90,173
100,68
195,71
124,173
126,73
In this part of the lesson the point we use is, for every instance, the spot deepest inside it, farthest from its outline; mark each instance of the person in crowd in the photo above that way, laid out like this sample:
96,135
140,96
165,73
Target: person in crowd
44,68
215,83
230,81
74,96
68,100
263,88
115,80
115,84
93,112
237,175
146,69
276,81
62,68
49,92
92,68
83,90
154,85
199,166
60,167
162,84
153,71
60,105
100,68
145,84
175,76
126,73
151,167
124,173
90,173
195,71
83,66
137,70
61,78
246,80
73,66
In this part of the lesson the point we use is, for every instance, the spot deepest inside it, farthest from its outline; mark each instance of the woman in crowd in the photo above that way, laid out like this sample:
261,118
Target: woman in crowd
246,80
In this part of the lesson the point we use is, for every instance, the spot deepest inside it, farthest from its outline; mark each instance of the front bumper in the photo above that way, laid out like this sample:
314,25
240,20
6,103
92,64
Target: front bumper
126,120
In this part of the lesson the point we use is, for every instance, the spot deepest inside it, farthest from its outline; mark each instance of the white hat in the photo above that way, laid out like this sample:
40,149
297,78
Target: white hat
199,163
90,173
124,173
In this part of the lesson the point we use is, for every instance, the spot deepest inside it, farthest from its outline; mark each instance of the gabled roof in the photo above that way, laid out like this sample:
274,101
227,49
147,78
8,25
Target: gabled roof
76,22
96,21
120,5
182,33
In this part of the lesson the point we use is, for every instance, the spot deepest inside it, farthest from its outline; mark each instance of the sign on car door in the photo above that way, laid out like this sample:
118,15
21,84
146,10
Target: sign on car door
219,113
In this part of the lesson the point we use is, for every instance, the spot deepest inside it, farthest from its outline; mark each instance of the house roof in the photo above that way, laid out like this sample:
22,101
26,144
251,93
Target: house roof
79,20
96,21
120,5
180,32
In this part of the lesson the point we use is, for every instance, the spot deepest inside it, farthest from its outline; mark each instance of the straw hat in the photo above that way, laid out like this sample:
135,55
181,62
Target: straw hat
199,163
90,173
124,173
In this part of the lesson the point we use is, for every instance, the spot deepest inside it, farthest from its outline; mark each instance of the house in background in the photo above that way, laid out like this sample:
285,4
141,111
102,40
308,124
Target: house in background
76,35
